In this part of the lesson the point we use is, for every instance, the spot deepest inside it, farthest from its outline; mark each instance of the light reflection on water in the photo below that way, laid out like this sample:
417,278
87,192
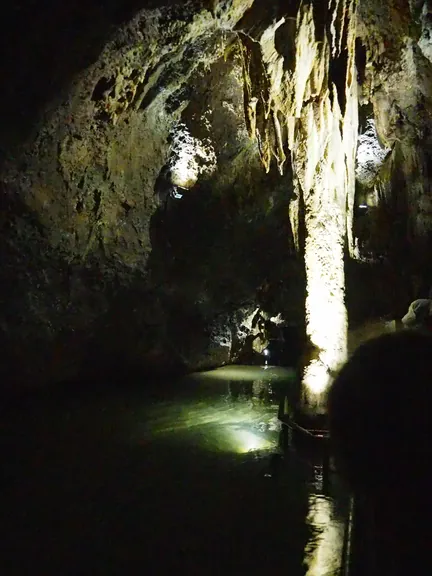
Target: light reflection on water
234,411
246,374
218,425
231,409
184,477
323,553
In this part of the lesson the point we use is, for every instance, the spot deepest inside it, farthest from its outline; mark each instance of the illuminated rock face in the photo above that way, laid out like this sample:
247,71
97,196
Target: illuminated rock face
395,81
104,262
98,241
190,158
370,156
310,109
324,156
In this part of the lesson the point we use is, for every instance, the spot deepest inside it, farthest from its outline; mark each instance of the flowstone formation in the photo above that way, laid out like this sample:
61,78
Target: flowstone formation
340,91
305,105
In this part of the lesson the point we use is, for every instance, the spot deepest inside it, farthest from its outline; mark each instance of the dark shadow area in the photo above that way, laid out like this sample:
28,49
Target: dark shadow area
365,112
211,255
91,486
337,76
376,299
361,60
379,422
285,43
321,11
67,320
256,19
44,45
222,249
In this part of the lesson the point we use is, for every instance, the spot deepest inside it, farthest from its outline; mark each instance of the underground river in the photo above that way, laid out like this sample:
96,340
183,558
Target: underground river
170,477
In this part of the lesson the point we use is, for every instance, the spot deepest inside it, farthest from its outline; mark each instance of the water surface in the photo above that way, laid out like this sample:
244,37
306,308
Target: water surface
174,477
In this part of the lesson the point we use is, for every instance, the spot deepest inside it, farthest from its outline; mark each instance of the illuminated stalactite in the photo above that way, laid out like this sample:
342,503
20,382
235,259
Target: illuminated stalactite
329,129
317,98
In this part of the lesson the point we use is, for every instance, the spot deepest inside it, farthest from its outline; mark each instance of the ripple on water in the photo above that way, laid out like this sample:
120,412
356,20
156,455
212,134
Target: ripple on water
170,481
323,553
212,421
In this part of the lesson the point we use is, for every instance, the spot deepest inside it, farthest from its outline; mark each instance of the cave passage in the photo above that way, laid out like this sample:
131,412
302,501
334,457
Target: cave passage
173,479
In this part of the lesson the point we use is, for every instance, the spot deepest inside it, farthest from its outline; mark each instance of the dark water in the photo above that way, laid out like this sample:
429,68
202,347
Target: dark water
177,478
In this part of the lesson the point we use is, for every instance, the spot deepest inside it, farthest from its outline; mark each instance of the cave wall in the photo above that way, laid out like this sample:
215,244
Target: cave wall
102,268
394,65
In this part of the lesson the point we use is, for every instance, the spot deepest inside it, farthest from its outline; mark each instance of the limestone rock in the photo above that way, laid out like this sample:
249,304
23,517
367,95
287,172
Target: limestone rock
370,155
103,265
425,41
112,256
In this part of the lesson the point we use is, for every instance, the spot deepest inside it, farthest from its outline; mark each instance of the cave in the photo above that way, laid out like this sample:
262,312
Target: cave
189,186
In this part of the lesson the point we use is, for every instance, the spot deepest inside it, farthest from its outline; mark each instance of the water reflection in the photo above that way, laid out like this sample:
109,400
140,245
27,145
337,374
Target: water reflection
235,410
175,481
323,554
247,374
327,521
234,416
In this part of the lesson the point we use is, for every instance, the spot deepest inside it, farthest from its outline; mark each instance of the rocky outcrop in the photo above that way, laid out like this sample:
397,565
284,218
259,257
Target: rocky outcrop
370,157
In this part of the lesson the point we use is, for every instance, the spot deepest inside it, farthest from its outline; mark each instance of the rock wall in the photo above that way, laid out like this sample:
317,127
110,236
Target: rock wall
159,161
108,263
396,89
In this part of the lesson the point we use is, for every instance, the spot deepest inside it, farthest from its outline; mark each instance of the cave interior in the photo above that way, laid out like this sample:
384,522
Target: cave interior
166,168
184,186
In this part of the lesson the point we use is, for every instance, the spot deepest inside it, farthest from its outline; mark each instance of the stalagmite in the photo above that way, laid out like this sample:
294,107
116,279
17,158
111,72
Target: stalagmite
318,101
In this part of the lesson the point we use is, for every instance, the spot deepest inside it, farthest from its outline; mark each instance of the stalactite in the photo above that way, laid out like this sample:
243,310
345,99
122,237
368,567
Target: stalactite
317,99
280,153
351,122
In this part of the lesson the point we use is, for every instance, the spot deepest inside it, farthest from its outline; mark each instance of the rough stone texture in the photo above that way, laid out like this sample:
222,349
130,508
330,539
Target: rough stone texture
425,41
102,267
105,263
301,103
396,78
370,156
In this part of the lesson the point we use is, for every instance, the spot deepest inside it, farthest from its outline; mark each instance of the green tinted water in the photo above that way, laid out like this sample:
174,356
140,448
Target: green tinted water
169,478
